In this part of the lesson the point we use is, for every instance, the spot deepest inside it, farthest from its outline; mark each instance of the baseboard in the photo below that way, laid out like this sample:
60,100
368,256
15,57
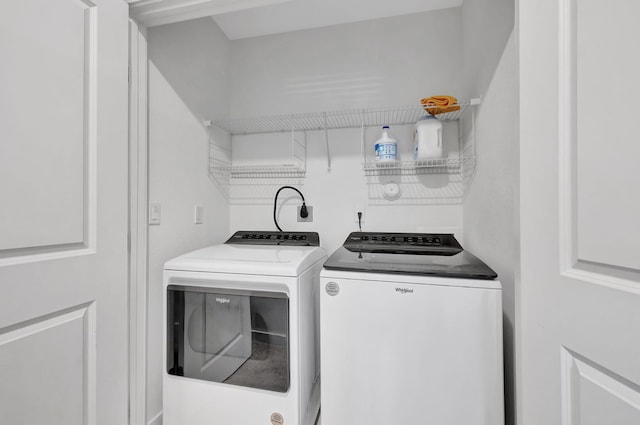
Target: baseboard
157,419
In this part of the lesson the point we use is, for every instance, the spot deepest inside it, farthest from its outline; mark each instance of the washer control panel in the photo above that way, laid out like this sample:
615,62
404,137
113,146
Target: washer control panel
409,243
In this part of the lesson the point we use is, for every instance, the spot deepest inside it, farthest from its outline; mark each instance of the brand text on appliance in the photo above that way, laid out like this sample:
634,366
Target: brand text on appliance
404,290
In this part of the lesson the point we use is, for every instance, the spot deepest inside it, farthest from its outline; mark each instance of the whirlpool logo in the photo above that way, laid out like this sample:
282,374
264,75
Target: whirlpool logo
222,300
404,291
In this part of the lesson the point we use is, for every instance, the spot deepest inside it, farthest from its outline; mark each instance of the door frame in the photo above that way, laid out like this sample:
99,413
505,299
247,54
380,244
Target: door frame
138,201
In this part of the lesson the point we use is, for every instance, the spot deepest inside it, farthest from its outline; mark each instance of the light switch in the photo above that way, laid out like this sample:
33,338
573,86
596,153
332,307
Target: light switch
155,211
198,214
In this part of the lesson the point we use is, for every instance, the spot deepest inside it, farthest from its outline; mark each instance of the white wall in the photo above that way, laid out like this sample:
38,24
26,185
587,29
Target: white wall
386,62
490,221
486,27
490,228
188,73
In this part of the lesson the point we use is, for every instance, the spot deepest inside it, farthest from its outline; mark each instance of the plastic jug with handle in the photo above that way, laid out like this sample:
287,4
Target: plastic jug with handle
386,146
427,139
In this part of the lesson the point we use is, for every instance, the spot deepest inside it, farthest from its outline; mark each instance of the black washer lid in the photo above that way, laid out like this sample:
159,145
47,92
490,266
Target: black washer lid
431,255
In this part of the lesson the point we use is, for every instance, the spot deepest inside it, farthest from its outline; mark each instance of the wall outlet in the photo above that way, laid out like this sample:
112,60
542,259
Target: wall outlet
198,214
356,210
307,219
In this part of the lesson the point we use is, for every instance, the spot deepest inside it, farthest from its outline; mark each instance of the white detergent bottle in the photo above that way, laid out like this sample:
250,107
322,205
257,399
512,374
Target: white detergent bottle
386,147
427,139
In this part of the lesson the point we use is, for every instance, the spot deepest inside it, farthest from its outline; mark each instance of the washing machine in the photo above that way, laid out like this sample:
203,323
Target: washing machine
241,337
411,333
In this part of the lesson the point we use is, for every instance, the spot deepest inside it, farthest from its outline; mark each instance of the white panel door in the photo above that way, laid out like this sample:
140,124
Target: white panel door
63,217
579,319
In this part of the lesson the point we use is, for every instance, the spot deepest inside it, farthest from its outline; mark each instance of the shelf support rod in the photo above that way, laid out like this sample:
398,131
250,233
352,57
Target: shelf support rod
363,153
473,103
293,141
473,130
326,140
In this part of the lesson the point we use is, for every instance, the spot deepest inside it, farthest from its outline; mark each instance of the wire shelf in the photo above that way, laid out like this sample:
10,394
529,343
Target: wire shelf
235,176
256,171
223,168
454,162
336,119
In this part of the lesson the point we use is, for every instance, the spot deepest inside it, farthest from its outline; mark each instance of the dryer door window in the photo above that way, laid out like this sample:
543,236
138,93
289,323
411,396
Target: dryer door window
233,337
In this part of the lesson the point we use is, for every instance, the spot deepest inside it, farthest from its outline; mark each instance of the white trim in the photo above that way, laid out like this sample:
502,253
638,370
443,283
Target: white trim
570,264
91,125
566,385
157,419
91,356
46,256
159,12
604,280
566,136
137,224
575,369
86,246
86,313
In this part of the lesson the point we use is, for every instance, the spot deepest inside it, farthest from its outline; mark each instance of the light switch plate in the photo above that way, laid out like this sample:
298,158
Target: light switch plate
155,212
198,214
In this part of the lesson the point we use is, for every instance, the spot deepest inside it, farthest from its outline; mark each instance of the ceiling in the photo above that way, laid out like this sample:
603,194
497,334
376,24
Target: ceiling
294,15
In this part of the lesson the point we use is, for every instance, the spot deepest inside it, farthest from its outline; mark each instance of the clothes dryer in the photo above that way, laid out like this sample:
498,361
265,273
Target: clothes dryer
241,331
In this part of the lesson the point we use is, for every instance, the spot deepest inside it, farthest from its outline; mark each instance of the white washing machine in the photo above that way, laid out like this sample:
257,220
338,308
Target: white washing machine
411,333
241,337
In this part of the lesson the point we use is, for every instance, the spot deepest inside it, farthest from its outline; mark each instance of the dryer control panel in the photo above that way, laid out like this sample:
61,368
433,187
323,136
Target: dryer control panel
275,238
